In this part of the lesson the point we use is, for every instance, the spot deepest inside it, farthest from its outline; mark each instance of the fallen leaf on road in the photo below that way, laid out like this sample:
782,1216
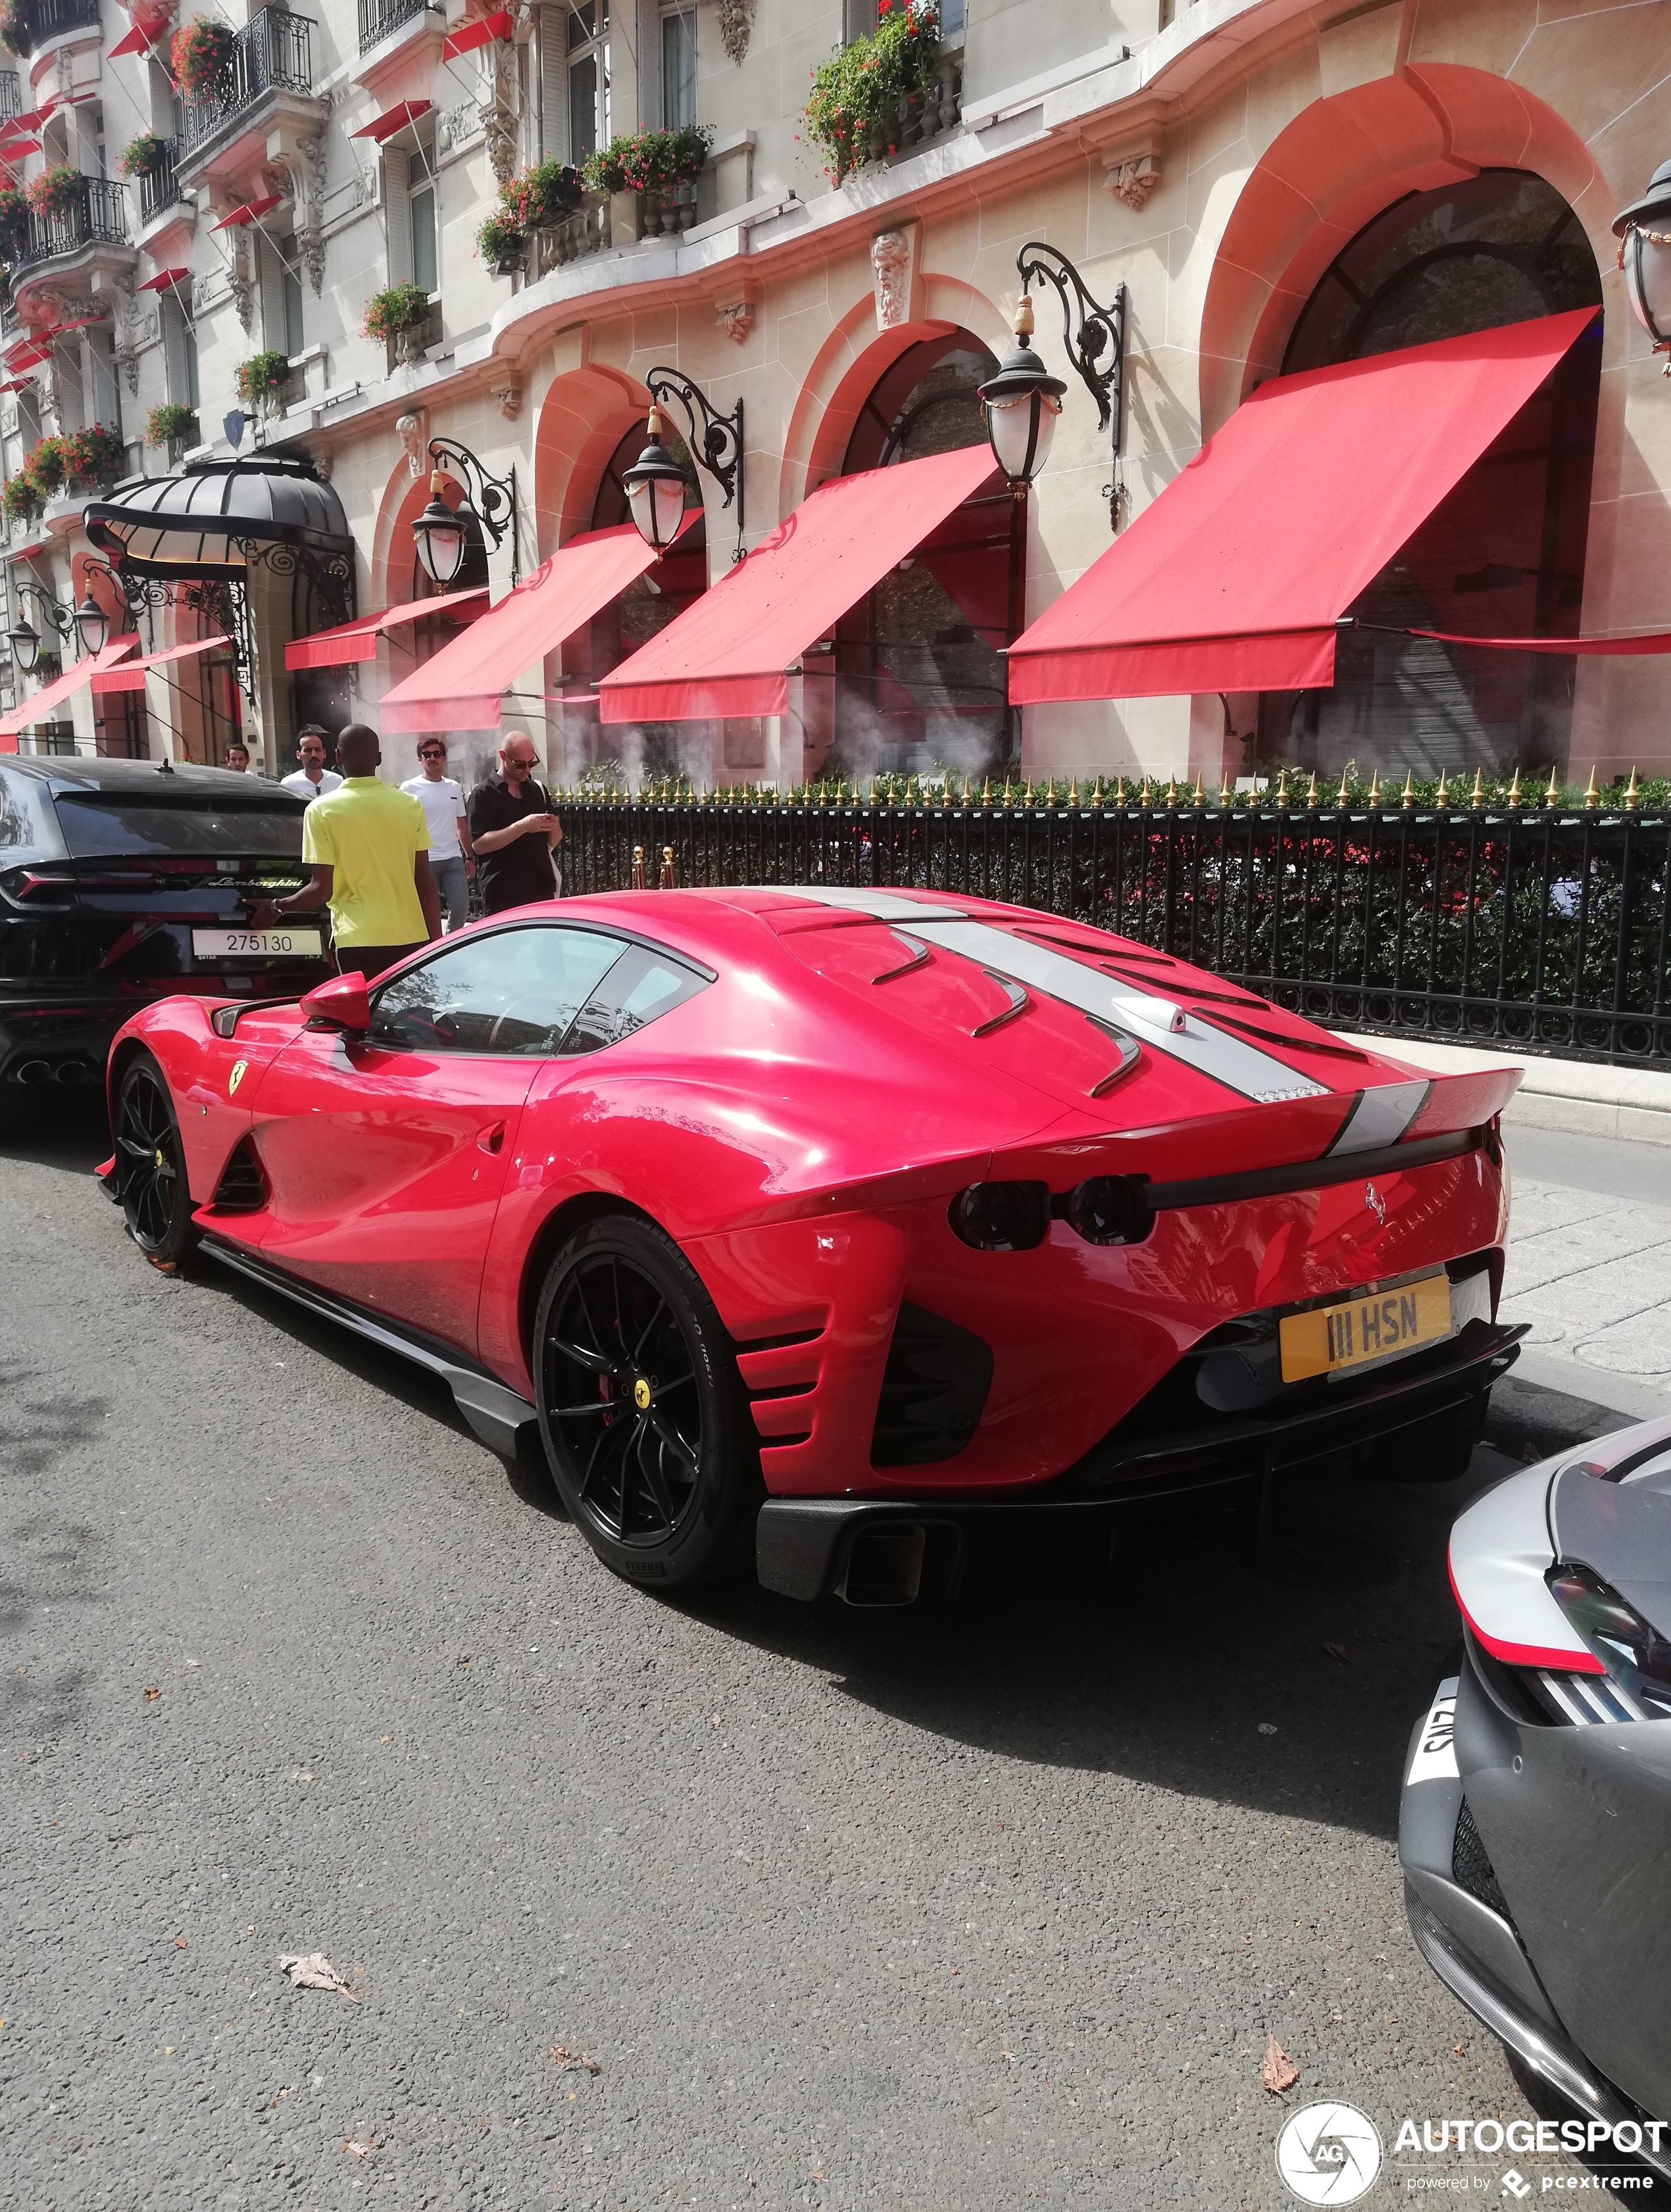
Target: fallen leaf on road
1461,2049
181,1944
573,2060
152,1691
315,1972
1279,2073
360,2150
1339,1651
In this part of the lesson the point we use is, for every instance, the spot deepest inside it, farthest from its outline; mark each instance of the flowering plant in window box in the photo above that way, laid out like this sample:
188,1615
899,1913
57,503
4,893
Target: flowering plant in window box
20,501
199,51
56,190
171,422
14,220
864,95
93,456
398,308
262,376
650,160
541,197
43,469
144,155
500,242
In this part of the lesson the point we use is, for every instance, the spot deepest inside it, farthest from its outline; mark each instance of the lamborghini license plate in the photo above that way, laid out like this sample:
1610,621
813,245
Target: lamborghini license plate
1331,1338
256,944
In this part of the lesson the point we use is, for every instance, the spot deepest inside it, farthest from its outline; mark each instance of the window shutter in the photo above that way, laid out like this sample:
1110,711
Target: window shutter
553,86
398,213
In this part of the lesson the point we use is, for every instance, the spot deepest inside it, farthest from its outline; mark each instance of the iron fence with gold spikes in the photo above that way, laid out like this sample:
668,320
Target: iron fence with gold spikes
1544,925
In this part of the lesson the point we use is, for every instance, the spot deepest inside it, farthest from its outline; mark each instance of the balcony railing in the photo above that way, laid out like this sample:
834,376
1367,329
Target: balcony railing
159,188
11,97
381,19
273,54
97,215
38,20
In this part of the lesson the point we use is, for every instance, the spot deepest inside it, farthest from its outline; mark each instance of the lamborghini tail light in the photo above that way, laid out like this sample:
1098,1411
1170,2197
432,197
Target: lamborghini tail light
1002,1217
1636,1655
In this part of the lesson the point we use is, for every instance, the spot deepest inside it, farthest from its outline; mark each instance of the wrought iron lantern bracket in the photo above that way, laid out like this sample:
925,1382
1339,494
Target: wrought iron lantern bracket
715,440
491,500
1095,336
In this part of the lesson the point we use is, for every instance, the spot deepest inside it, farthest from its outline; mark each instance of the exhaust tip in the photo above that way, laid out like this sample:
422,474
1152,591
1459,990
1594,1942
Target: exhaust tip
33,1071
73,1071
885,1566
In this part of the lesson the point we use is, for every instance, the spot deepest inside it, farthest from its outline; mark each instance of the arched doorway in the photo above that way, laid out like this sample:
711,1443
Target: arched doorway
1503,555
919,683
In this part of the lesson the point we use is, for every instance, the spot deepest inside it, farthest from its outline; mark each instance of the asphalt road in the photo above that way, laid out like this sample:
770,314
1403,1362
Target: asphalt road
992,1904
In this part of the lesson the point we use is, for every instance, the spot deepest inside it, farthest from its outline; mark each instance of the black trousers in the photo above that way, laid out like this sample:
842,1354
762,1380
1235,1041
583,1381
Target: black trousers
370,960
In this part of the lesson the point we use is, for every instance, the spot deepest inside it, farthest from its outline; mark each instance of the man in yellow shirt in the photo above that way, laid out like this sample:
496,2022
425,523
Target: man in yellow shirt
368,847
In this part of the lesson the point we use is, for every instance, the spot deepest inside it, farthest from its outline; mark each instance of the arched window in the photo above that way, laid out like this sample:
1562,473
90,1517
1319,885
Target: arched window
1503,555
919,673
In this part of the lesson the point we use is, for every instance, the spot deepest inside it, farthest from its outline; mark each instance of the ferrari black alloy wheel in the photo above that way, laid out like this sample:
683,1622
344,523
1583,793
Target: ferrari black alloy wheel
151,1168
644,1419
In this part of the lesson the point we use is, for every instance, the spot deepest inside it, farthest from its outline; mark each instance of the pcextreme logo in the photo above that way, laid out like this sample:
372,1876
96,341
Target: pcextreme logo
1329,2153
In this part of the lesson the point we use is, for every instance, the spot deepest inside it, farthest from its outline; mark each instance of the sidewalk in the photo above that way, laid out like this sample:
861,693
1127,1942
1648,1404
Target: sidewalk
1589,1271
1630,1102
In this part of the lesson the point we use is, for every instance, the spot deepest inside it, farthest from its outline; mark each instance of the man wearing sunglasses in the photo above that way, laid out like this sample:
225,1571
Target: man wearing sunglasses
513,830
452,862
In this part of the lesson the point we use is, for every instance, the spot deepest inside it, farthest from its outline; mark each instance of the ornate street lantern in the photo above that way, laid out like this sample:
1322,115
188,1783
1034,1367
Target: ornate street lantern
441,534
655,486
1021,405
1643,233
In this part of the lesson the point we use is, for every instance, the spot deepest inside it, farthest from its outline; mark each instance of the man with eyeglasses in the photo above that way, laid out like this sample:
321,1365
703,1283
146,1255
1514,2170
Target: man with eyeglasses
451,860
513,830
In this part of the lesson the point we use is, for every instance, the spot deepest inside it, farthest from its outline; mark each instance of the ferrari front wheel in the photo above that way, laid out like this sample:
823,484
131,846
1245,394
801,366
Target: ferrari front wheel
643,1416
151,1167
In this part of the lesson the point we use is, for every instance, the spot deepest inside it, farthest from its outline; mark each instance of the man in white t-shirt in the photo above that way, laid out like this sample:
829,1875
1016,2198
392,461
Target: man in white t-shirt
312,780
452,862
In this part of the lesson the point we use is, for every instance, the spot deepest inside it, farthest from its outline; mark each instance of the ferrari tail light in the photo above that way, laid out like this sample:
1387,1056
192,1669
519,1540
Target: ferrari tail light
1002,1217
1636,1655
1109,1210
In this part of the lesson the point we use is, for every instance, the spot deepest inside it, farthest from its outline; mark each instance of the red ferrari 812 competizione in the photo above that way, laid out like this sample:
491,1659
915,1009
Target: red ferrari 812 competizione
840,1222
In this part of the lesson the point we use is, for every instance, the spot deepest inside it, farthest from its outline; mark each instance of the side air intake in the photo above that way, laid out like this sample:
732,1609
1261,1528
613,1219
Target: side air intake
932,1390
242,1188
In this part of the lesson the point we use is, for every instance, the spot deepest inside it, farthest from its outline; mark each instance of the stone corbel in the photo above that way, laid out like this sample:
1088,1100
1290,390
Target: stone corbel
507,396
500,111
413,431
1131,167
736,28
893,267
735,312
299,170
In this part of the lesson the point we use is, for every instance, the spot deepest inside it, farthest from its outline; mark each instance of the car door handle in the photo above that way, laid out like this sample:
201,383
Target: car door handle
492,1138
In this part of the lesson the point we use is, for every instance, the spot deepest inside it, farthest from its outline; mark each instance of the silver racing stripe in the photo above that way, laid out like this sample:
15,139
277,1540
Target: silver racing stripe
1153,1020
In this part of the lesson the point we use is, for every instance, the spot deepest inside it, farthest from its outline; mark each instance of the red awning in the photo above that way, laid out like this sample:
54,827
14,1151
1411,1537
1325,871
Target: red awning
40,704
132,42
15,149
459,687
392,120
247,212
1234,579
130,676
1657,640
63,329
357,640
469,36
729,653
163,277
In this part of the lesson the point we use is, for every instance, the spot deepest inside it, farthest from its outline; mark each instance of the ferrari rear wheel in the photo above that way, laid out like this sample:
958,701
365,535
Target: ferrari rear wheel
642,1411
156,1202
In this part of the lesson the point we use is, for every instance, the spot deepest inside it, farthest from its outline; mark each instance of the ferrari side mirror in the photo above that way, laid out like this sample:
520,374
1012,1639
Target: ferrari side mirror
342,1004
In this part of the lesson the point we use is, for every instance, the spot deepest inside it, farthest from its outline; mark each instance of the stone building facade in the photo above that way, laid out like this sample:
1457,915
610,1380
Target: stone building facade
1277,184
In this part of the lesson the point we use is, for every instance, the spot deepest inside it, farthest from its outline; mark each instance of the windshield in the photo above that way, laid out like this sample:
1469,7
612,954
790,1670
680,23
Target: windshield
94,826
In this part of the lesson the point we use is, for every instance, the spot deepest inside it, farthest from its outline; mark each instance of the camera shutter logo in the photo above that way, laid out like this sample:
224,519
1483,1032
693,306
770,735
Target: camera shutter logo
1329,2153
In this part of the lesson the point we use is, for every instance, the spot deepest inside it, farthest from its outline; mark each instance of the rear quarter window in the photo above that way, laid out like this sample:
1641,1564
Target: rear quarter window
642,986
95,827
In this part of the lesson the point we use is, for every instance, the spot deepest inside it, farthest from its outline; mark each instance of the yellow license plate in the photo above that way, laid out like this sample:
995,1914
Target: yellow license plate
1329,1338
